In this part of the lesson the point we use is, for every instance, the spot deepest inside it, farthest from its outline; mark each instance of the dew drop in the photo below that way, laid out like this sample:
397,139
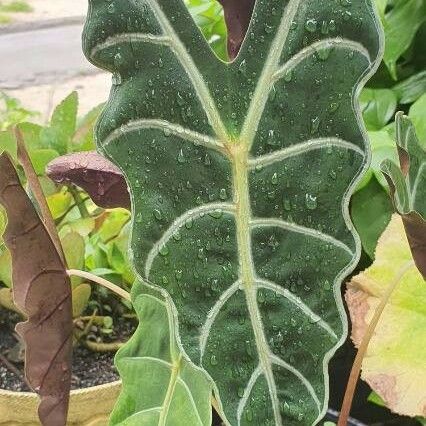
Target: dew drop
157,214
311,25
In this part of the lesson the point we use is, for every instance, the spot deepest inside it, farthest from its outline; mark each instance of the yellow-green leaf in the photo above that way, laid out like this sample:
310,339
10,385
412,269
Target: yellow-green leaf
394,365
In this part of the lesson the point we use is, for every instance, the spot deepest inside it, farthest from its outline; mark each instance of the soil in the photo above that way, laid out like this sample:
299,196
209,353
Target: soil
89,368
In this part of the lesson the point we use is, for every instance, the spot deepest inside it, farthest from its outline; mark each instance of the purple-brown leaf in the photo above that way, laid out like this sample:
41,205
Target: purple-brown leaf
42,291
101,179
237,16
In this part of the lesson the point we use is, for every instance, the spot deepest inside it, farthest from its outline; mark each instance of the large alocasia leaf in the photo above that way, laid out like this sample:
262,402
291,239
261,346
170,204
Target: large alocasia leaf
160,387
42,291
394,363
240,175
408,187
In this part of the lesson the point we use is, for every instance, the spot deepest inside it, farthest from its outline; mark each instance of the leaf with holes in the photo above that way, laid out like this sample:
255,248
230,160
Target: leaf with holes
160,387
408,187
240,175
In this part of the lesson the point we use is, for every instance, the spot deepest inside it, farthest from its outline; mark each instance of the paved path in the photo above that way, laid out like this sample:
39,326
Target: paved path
31,57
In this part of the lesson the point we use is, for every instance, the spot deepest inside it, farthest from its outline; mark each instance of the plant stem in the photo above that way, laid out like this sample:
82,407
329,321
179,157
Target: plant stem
79,202
103,347
101,281
14,370
36,189
362,350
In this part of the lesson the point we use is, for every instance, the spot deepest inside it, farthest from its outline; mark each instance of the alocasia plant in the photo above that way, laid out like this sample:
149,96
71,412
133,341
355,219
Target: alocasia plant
408,187
240,175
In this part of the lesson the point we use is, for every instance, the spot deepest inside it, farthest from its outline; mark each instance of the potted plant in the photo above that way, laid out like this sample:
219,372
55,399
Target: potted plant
239,248
90,239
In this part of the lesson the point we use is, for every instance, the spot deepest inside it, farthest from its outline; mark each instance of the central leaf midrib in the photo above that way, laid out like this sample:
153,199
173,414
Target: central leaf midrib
240,158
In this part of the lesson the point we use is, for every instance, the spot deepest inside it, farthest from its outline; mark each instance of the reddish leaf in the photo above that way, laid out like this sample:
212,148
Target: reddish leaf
42,291
101,179
237,16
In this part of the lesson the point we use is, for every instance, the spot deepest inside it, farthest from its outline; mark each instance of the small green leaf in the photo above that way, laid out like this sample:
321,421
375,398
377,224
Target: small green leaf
83,137
5,266
417,115
58,135
371,212
73,246
401,25
59,203
83,226
113,224
80,298
411,89
382,148
407,182
40,158
160,387
378,107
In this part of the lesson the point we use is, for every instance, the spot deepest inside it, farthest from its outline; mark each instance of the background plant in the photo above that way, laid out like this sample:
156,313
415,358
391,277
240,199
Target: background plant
93,239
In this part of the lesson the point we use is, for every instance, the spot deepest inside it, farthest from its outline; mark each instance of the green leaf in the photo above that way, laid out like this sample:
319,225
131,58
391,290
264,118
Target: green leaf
74,249
40,158
401,25
376,399
378,107
58,135
371,212
80,298
411,89
113,224
417,115
5,266
59,203
382,148
83,137
394,364
159,385
407,182
240,175
83,226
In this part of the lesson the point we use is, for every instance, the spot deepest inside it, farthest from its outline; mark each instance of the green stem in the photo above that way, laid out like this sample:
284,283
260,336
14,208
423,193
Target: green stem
101,281
79,201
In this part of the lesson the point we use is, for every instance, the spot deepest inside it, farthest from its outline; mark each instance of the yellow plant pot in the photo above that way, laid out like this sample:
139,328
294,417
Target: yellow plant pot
88,407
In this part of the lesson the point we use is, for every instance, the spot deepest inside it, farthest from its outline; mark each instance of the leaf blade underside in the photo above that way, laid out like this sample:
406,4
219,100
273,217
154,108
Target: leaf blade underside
42,291
225,218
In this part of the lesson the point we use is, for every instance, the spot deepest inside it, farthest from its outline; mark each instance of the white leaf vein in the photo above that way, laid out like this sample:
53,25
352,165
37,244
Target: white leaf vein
309,232
336,43
169,129
178,223
302,148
